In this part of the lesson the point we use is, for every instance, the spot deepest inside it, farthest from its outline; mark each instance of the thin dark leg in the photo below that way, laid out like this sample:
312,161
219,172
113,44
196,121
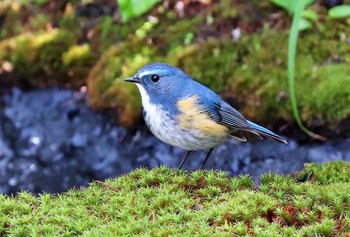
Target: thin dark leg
207,157
184,159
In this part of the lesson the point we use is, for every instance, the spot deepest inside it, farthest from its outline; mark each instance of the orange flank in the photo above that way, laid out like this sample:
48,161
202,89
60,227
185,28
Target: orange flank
194,116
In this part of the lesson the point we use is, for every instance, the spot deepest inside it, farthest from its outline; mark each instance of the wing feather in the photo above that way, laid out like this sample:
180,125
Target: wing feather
231,117
224,114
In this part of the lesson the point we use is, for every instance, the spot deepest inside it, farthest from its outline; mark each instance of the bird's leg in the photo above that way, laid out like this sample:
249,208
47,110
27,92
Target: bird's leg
207,157
184,159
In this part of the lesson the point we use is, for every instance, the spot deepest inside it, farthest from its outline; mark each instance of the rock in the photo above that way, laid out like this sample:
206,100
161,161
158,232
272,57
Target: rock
50,141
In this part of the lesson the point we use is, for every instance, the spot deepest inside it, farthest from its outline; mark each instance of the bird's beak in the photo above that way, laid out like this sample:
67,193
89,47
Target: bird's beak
132,79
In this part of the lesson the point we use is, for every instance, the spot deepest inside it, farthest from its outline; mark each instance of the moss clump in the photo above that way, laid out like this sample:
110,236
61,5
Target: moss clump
322,70
162,202
78,55
214,73
47,55
328,173
251,70
10,25
107,88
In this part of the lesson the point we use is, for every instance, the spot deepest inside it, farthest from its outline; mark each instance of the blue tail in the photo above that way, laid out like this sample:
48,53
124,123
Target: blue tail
266,133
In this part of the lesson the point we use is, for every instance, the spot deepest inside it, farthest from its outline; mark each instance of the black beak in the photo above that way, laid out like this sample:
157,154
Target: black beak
132,79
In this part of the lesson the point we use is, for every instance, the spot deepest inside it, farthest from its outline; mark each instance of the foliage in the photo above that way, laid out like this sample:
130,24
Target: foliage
162,201
134,8
297,9
290,5
309,15
342,11
65,48
292,45
250,73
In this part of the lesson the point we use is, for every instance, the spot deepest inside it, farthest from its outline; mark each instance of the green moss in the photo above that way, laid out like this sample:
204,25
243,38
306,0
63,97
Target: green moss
328,87
213,73
78,55
162,202
328,173
173,34
252,71
11,25
107,89
68,20
48,55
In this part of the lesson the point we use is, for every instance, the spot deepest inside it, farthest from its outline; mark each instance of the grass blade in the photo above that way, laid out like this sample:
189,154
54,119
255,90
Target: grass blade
292,44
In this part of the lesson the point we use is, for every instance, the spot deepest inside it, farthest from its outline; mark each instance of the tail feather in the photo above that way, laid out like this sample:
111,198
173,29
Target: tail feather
266,133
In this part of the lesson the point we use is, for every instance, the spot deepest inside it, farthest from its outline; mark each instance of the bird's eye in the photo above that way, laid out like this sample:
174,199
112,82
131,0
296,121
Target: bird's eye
155,78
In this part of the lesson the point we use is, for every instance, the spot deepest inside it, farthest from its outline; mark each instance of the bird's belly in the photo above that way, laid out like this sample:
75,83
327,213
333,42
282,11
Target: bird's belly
189,137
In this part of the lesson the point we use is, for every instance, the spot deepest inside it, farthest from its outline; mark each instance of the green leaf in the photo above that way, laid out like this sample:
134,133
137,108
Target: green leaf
310,15
290,5
292,47
287,5
342,11
304,24
134,8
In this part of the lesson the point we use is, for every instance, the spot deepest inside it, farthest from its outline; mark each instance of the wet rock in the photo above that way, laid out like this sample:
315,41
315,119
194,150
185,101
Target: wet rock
262,149
55,132
331,3
50,140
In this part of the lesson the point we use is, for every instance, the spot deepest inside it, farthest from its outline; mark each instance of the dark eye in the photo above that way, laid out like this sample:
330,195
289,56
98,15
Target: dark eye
155,78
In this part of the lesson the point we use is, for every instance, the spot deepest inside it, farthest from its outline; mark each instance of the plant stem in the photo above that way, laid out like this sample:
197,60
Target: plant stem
292,44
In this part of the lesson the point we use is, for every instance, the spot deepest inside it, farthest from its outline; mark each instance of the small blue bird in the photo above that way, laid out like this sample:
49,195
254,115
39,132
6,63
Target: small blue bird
184,113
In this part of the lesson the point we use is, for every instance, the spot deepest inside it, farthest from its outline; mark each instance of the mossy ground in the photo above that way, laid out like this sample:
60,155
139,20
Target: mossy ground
251,71
165,202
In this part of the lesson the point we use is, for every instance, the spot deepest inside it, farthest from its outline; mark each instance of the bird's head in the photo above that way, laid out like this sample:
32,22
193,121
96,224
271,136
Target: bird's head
159,80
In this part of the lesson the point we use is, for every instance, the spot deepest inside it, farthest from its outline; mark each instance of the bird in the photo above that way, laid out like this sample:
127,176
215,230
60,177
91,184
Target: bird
184,113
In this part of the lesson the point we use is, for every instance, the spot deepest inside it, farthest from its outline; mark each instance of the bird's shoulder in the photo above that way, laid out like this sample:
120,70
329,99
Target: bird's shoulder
201,98
204,95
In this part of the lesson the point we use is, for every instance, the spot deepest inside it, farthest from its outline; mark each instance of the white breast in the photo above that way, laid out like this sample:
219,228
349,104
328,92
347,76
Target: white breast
167,130
157,119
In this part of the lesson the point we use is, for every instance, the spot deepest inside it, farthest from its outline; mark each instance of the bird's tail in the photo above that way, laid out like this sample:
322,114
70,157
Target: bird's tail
266,133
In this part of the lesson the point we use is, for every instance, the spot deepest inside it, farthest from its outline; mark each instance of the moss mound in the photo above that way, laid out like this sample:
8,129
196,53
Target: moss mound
163,202
252,72
67,47
328,173
48,58
106,86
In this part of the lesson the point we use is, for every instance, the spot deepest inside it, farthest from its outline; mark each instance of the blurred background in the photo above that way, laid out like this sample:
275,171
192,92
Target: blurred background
67,117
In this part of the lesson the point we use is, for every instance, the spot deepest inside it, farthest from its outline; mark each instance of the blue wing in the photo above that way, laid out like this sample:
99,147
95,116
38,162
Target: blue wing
225,114
266,133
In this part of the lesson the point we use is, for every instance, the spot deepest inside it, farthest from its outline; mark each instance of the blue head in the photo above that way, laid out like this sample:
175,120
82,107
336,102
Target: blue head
159,81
